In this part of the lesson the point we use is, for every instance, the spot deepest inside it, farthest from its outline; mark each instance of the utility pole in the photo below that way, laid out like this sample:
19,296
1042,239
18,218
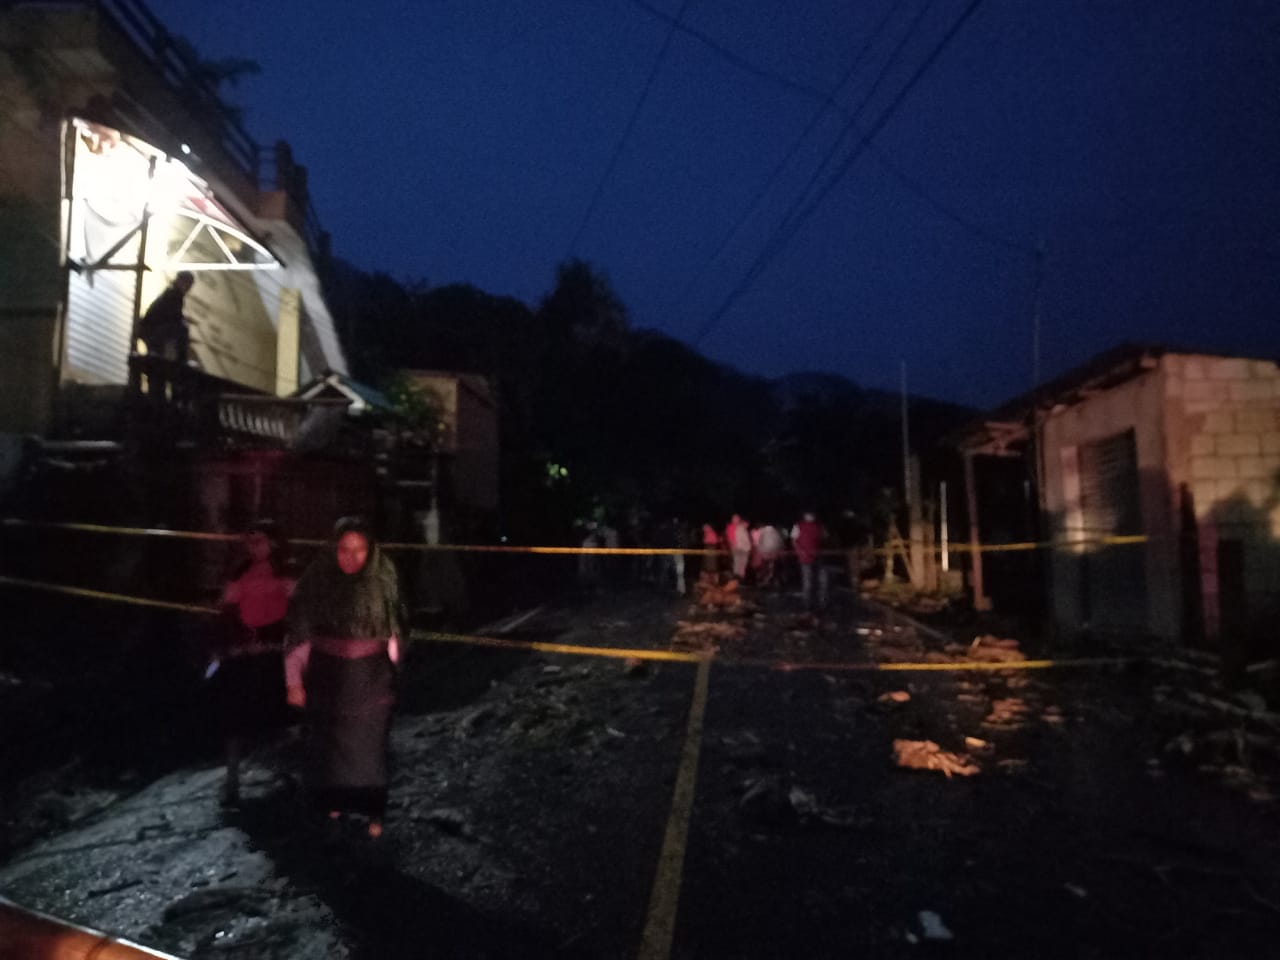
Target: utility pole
1035,314
945,531
906,442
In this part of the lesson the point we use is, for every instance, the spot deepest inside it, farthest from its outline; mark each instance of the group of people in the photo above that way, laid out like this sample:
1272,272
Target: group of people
327,643
753,553
756,552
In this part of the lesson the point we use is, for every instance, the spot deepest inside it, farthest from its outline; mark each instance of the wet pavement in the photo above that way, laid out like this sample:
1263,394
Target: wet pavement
532,791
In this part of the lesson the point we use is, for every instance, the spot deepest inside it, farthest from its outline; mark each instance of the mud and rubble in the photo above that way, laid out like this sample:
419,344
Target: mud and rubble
1108,812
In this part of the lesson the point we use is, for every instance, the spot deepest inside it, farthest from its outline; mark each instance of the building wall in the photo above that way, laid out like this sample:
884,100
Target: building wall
1136,405
61,60
1223,422
469,437
31,278
476,467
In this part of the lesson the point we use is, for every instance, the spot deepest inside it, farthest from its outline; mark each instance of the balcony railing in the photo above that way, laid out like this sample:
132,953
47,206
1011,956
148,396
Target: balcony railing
173,404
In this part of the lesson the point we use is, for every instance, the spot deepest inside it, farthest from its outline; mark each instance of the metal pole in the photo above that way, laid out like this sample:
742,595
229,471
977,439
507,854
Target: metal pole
1035,316
942,521
142,260
906,442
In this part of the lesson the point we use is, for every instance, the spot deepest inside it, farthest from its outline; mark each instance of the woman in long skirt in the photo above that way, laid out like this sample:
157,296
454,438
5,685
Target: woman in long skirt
347,618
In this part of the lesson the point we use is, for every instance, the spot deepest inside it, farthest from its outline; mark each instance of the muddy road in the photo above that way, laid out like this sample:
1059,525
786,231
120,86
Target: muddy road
538,808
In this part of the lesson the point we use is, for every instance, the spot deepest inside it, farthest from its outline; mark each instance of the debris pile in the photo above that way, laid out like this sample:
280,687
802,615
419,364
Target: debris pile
897,645
1008,713
768,801
927,755
990,649
704,636
1231,735
725,598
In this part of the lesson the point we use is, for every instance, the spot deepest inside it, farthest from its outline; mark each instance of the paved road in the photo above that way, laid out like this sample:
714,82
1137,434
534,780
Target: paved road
534,796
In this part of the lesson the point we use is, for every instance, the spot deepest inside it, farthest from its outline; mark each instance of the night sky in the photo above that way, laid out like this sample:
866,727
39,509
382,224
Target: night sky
468,140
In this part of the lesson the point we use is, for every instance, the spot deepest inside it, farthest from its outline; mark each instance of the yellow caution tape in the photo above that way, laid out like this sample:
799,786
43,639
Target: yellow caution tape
576,551
669,656
613,652
955,667
113,597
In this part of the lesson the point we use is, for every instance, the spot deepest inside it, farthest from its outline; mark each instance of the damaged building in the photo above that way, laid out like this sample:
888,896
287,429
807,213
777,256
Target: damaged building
1156,477
120,167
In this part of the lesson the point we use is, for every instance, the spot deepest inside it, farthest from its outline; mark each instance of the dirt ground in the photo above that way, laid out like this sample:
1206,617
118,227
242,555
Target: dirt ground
1102,811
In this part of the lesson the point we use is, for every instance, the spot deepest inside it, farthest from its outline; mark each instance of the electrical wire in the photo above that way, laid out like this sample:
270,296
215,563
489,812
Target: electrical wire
786,231
829,102
626,133
851,122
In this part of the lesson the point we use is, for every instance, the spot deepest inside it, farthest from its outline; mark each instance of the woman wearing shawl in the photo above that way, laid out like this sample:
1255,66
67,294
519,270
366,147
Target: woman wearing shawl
347,617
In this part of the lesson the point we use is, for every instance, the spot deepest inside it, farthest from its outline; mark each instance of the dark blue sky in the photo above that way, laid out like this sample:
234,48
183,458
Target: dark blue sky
1138,140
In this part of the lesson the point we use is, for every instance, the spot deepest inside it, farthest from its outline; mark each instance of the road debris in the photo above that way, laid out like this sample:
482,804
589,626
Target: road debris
990,649
927,755
932,927
1009,712
705,635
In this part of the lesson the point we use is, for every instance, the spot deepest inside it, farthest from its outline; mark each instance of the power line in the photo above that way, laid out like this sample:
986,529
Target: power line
828,102
788,229
851,119
626,133
797,204
736,59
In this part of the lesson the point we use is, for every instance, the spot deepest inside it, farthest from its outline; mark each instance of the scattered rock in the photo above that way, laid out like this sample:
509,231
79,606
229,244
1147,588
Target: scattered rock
473,720
766,801
932,927
448,820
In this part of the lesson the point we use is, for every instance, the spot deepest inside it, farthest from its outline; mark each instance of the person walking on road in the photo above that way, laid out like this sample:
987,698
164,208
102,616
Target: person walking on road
768,549
348,618
737,536
806,539
709,567
247,678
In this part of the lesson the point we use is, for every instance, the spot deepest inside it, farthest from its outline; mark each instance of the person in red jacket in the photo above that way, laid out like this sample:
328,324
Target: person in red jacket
806,539
248,675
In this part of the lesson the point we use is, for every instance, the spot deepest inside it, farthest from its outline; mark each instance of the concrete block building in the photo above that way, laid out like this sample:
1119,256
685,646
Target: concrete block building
1157,473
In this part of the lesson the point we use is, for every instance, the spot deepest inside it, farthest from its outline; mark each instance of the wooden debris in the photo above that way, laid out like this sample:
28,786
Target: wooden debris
927,755
989,649
710,628
1009,712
